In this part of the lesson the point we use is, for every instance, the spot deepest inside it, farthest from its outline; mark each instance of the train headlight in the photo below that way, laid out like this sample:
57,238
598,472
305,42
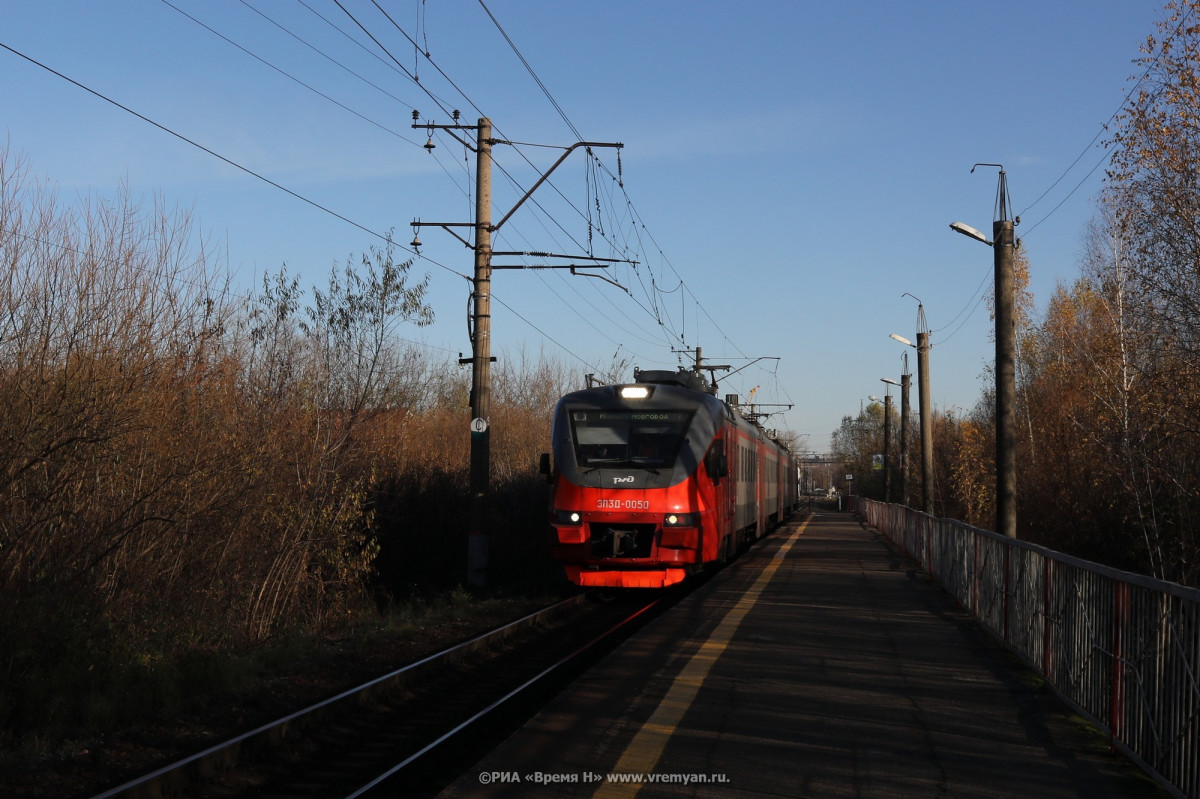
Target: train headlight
635,392
570,517
681,520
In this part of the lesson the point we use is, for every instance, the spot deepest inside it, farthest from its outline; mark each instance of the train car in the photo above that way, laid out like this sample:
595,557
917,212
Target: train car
655,480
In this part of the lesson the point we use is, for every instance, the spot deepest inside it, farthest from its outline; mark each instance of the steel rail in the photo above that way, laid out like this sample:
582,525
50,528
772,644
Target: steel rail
175,776
487,711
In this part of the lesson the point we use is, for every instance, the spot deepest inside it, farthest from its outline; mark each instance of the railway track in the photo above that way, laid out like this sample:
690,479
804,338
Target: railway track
412,731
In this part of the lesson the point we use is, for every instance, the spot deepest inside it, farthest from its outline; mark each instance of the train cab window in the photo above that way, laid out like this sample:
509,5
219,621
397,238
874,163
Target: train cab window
625,439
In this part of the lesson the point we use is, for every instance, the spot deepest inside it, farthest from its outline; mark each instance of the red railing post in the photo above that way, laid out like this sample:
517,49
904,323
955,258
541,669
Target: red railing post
1120,622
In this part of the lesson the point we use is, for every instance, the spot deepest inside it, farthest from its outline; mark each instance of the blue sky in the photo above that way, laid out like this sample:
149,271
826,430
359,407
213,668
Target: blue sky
794,164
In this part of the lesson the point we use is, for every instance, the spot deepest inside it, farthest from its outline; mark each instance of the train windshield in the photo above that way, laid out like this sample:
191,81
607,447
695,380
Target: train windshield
627,438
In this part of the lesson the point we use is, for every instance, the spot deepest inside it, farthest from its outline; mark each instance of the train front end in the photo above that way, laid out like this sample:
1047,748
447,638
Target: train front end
634,505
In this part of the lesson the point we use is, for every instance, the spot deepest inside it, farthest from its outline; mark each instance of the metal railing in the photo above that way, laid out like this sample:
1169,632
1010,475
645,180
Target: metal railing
1123,649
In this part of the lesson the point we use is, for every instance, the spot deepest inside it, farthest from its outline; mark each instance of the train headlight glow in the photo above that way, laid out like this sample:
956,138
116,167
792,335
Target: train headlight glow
634,392
567,517
681,520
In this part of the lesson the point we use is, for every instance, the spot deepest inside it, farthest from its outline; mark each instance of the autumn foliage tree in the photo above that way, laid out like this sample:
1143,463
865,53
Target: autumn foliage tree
189,469
1144,272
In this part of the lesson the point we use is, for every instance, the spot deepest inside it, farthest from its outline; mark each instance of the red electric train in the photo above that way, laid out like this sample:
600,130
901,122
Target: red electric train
656,479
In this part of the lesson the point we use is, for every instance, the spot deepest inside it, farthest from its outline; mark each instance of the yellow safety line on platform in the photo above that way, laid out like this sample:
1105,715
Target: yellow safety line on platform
643,752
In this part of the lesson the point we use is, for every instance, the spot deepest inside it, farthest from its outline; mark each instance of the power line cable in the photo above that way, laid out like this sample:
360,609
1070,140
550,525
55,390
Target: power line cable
195,144
509,176
969,309
411,76
307,86
413,41
266,180
659,313
1152,61
325,55
291,77
585,216
1106,157
218,156
529,69
441,72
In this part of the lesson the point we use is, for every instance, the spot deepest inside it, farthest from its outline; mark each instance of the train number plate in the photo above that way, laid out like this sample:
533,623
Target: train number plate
623,504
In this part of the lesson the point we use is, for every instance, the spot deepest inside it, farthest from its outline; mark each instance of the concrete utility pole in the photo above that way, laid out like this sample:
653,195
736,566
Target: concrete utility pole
478,539
922,348
926,422
1003,252
1006,384
887,437
905,379
887,444
479,488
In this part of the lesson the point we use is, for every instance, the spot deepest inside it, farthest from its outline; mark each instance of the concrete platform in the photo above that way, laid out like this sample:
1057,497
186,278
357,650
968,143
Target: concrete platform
820,664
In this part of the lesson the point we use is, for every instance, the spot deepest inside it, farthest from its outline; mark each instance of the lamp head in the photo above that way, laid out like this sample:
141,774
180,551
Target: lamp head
967,230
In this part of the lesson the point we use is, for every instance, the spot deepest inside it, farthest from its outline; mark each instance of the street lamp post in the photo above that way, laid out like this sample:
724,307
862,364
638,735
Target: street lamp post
1003,248
887,439
887,436
922,347
904,413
